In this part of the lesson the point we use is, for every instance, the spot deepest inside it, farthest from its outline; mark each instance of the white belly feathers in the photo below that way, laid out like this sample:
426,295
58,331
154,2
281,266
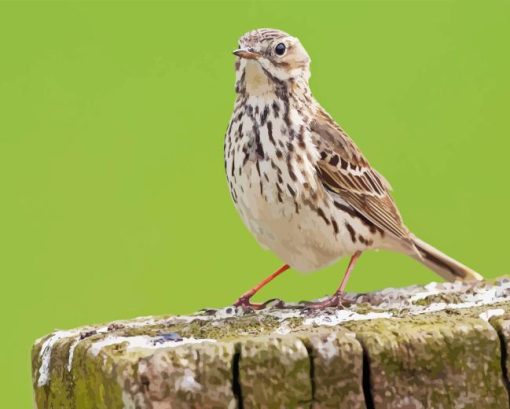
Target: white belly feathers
274,186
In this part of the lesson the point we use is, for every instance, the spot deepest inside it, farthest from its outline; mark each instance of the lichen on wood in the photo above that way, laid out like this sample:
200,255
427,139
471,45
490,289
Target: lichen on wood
441,345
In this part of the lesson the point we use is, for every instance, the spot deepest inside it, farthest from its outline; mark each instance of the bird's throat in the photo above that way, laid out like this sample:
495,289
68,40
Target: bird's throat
257,82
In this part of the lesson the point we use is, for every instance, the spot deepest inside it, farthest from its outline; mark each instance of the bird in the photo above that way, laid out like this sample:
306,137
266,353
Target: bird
300,184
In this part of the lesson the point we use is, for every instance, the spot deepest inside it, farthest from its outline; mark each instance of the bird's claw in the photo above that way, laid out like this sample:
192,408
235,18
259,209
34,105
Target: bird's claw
335,301
246,305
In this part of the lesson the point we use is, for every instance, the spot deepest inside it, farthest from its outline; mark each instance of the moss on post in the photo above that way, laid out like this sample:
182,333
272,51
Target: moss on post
432,362
276,371
336,359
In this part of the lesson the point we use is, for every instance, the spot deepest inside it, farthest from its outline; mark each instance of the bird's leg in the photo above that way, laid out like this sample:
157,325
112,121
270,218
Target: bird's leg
336,298
244,300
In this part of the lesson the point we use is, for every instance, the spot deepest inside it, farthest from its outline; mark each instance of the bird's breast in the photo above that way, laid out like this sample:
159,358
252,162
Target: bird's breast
269,154
270,162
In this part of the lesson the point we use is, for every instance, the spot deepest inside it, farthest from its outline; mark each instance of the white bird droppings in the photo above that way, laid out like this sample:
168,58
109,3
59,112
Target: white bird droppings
142,342
46,351
341,316
487,315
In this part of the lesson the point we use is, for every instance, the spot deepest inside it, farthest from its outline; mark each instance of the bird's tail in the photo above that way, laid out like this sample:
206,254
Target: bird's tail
445,266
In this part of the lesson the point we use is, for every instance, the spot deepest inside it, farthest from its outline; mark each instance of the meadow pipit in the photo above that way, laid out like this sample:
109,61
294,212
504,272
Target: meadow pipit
299,182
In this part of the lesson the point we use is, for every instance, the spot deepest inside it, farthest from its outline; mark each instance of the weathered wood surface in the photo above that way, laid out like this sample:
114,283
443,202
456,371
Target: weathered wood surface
438,346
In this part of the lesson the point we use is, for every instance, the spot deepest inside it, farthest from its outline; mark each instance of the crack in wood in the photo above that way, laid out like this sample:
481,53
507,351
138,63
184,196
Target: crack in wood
236,383
365,380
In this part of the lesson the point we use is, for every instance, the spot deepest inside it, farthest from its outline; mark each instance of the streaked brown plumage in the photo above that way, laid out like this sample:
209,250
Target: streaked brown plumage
299,182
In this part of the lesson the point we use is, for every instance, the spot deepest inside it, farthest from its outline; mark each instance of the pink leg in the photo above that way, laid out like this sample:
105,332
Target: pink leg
334,300
244,300
350,267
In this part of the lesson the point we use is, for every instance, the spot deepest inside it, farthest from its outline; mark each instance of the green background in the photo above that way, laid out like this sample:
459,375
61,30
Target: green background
114,202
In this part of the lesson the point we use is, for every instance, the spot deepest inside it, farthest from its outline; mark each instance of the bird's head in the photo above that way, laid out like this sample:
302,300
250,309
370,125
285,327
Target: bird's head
274,53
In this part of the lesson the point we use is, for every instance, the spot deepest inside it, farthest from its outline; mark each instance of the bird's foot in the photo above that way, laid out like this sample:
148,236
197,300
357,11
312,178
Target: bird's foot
246,305
335,301
274,303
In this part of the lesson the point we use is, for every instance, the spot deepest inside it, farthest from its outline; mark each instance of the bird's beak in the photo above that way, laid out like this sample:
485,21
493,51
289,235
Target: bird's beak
246,53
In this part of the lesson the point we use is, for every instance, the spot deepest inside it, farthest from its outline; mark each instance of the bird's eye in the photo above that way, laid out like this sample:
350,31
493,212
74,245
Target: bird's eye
280,49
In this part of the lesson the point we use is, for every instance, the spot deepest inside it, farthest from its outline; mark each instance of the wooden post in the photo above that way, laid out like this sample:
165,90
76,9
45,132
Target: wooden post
443,345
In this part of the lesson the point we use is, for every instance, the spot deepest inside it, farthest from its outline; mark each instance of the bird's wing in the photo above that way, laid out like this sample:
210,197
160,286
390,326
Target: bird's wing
343,169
